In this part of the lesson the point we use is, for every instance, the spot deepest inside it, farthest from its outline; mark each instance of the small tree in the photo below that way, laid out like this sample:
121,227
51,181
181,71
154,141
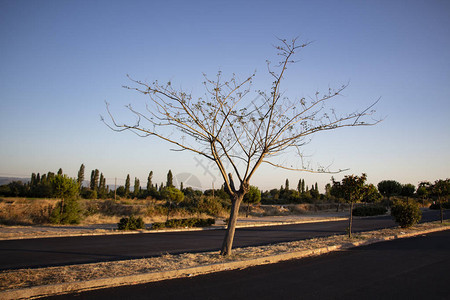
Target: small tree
236,133
371,194
389,188
173,196
441,190
252,197
408,191
337,192
67,210
353,190
423,191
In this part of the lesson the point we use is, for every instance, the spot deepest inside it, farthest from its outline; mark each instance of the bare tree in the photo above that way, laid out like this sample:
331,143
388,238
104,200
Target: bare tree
238,135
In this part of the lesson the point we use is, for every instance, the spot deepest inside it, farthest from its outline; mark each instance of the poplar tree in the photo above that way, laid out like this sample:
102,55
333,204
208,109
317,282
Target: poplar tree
169,179
95,174
127,186
80,177
137,186
102,187
149,181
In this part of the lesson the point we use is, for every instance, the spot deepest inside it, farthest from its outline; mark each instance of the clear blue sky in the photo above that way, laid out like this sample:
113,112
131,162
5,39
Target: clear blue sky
60,60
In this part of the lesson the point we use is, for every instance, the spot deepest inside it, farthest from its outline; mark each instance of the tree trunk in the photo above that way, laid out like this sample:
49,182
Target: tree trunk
231,228
442,211
248,209
350,221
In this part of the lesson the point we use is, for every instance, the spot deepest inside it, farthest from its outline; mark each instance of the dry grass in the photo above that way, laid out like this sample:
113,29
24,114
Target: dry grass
30,211
22,278
25,211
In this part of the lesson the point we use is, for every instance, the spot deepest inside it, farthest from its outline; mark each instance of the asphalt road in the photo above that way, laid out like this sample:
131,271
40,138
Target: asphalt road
413,268
33,253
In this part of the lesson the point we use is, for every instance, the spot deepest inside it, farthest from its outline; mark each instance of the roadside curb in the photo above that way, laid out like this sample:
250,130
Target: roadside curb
63,288
220,227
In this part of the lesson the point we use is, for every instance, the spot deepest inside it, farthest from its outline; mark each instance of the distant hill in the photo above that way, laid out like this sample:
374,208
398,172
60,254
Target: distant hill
6,180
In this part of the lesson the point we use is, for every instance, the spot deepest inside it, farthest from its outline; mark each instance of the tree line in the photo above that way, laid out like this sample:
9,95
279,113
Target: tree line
43,186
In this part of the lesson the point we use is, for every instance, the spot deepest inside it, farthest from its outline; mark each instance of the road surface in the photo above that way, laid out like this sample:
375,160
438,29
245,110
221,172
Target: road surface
413,268
31,253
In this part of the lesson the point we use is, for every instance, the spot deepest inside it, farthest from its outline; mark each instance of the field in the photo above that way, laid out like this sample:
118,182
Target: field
36,211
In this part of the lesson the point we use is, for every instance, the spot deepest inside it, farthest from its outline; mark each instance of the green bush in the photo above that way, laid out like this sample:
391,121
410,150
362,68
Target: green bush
70,213
406,214
131,223
207,205
369,210
183,223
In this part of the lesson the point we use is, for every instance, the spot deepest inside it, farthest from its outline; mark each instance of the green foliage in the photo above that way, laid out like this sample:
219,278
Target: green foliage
423,190
94,179
172,194
440,189
131,223
120,191
406,214
408,190
149,181
369,210
389,188
169,182
184,223
137,187
67,212
445,205
212,206
353,187
13,189
64,187
80,177
371,194
254,195
127,185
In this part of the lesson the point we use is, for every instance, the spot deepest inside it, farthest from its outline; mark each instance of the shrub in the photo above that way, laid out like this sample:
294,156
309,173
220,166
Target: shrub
445,205
369,210
207,205
182,223
406,214
113,208
131,223
70,214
